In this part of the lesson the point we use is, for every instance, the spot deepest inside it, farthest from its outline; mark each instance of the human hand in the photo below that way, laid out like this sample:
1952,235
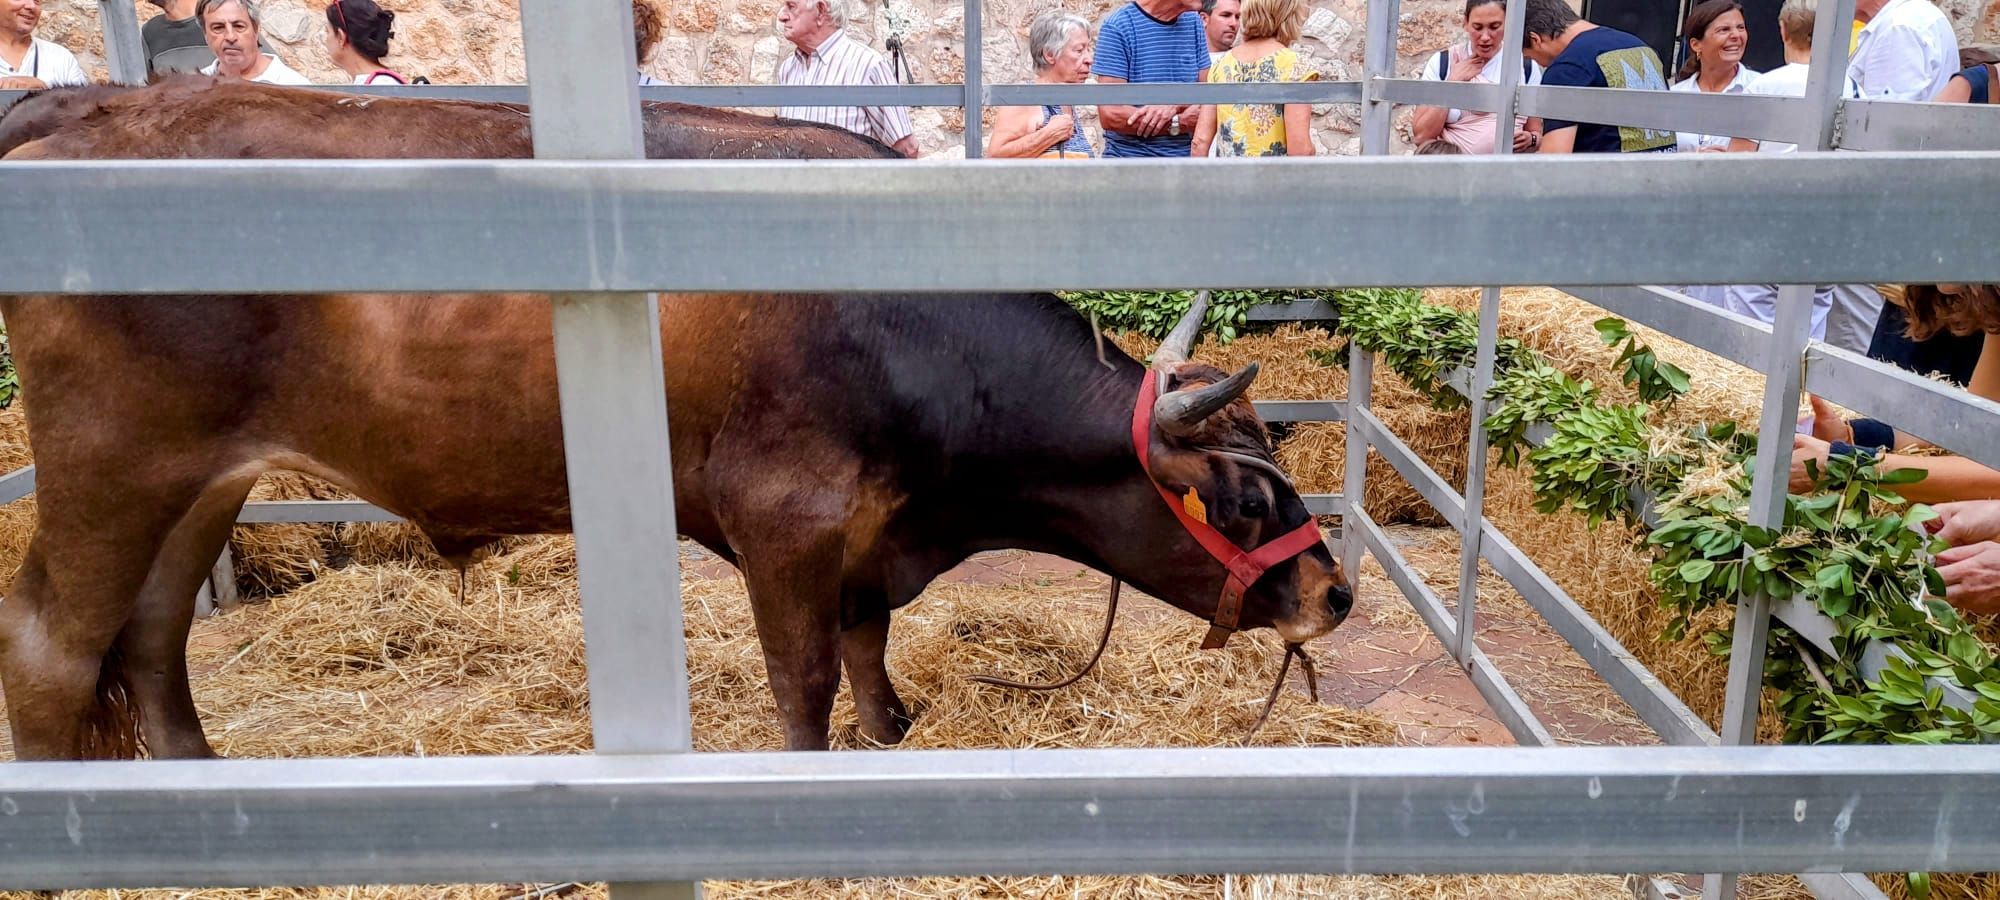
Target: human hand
1806,447
1964,522
1972,577
1526,141
21,83
1827,424
1060,123
1465,67
1152,120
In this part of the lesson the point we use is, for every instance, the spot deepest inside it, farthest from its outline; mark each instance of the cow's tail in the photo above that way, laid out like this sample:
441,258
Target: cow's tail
111,728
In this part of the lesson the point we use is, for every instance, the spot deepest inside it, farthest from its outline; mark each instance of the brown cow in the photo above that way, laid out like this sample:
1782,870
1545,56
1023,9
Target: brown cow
842,452
196,117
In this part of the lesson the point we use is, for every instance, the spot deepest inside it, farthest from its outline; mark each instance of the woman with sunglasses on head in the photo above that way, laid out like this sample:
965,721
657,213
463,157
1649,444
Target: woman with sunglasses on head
358,37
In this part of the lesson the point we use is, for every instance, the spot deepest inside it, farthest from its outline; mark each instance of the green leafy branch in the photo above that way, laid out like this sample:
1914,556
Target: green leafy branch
1656,381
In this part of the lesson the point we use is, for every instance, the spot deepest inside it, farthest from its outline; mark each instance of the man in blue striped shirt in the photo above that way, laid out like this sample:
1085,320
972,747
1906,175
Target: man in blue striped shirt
1151,42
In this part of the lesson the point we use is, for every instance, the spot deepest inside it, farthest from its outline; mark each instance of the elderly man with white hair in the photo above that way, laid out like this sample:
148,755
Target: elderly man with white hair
826,54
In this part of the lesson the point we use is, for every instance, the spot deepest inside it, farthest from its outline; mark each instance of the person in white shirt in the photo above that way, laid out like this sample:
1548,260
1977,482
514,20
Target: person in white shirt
824,53
1476,59
1220,20
1906,51
1844,315
1716,36
28,63
232,30
357,37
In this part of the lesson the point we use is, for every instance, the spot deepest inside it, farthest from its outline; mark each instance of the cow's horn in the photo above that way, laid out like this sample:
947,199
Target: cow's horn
1179,345
1182,412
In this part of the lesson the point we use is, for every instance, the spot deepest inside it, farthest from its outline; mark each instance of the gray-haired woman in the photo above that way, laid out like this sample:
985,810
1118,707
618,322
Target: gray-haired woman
1059,43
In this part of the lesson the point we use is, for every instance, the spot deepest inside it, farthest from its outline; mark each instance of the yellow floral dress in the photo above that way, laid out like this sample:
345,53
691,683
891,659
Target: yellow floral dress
1256,129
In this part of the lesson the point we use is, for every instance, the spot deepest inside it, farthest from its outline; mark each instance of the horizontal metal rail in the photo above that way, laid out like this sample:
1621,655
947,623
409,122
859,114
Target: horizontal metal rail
321,511
1428,483
1507,705
1357,524
1324,504
781,815
1294,311
1279,411
1902,126
1736,115
523,225
1739,339
1660,708
1500,697
1827,886
17,484
1943,414
1466,95
784,95
1144,94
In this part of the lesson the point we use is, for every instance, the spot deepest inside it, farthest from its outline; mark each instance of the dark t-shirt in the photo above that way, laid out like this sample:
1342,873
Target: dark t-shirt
1945,353
174,45
1980,79
1607,57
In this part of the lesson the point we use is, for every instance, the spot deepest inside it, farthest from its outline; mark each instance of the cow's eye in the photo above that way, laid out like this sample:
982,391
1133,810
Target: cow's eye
1254,507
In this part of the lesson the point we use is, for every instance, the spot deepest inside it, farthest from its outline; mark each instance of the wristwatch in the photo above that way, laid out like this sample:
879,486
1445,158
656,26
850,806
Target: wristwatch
1175,129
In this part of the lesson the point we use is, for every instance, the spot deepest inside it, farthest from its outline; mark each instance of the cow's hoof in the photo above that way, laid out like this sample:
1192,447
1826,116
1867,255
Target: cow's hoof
890,730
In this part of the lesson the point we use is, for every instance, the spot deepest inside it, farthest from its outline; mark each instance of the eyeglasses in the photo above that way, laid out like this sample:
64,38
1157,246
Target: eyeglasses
342,14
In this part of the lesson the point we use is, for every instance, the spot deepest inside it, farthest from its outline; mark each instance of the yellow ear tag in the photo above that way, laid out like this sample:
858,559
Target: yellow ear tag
1194,507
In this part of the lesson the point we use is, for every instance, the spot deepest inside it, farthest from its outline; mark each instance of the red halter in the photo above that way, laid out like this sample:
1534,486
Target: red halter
1244,568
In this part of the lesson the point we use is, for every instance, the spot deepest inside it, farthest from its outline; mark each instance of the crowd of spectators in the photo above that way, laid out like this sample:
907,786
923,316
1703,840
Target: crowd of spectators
1902,50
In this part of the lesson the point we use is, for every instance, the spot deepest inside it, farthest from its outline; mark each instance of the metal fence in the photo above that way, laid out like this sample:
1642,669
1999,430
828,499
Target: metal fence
645,809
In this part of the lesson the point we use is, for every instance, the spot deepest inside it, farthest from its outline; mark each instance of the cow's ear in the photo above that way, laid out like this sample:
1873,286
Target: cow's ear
1180,470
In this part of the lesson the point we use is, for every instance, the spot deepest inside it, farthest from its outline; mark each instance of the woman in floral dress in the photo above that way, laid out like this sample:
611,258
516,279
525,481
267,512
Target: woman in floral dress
1265,56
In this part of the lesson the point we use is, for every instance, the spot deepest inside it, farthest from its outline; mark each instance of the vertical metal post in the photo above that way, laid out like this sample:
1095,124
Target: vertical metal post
975,80
1354,482
1783,365
1826,76
1378,57
124,51
584,102
222,581
1470,531
1769,482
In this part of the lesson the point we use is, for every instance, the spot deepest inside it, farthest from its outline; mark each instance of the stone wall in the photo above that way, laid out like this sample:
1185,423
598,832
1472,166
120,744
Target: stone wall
736,41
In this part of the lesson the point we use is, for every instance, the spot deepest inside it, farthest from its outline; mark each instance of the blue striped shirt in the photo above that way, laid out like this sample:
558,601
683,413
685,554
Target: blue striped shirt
1143,50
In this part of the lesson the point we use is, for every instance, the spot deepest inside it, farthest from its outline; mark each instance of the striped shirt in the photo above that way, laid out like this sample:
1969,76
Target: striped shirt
1143,50
842,60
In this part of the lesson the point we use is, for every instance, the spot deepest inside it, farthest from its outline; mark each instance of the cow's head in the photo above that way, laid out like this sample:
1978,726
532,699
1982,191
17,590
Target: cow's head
1207,438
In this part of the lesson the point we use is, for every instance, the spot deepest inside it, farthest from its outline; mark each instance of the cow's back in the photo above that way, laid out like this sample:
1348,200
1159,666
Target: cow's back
195,117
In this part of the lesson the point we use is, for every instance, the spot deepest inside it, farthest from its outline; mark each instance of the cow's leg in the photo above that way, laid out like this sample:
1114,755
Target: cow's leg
796,601
884,719
154,643
68,693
